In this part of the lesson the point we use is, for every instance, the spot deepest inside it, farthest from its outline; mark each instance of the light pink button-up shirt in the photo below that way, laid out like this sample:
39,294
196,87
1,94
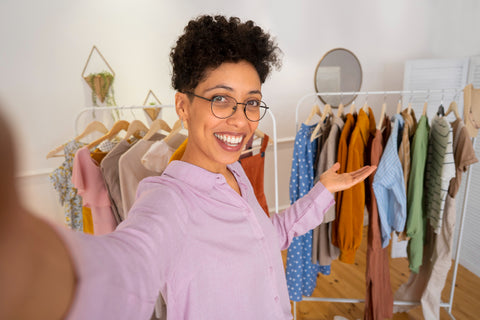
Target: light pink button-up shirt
212,253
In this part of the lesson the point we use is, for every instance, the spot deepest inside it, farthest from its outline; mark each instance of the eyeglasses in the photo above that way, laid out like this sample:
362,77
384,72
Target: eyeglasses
225,106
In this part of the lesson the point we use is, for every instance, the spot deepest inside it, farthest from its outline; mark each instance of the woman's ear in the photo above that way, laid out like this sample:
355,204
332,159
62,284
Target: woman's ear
182,104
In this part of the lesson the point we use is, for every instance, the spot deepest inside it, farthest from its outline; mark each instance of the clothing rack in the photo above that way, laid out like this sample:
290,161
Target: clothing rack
448,305
122,108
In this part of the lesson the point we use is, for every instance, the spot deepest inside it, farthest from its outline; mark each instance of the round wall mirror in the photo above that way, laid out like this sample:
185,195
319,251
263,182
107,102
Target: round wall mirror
338,71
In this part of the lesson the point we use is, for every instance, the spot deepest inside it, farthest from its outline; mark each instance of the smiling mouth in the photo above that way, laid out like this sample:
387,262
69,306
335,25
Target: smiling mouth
231,141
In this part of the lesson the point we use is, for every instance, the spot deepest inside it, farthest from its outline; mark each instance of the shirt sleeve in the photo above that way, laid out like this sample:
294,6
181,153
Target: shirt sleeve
118,274
303,215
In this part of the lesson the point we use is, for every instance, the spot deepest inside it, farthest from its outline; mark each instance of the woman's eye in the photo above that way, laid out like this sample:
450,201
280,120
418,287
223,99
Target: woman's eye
253,103
220,99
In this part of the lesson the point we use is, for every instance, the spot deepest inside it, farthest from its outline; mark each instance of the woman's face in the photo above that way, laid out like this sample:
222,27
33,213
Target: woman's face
212,142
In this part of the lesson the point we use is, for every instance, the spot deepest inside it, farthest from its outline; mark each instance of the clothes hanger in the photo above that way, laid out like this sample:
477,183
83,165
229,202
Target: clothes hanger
409,107
425,105
352,107
365,105
327,111
399,106
155,126
441,109
340,110
134,129
177,127
453,108
382,116
116,128
315,110
340,106
94,126
258,134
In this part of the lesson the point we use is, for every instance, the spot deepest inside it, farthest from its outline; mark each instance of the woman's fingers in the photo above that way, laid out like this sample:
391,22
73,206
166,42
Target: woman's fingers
337,182
363,172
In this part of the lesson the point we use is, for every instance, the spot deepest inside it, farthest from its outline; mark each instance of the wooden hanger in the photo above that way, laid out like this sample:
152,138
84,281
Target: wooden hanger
134,128
94,126
365,108
116,128
155,126
259,134
177,127
340,110
315,111
399,106
453,108
382,116
425,105
352,107
327,111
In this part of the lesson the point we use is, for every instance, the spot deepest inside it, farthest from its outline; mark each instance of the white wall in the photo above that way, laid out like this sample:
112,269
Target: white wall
44,46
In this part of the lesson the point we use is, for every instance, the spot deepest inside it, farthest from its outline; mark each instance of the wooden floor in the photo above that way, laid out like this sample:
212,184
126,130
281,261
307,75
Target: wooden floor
348,281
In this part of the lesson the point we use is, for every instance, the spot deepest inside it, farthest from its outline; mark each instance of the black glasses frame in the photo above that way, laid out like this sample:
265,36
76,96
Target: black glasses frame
234,108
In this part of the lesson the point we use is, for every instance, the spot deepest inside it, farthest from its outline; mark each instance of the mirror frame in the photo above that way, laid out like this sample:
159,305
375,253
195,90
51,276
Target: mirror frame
318,66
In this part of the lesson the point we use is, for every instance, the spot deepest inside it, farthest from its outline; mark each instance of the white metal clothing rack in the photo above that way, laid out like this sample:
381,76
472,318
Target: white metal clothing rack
121,108
448,305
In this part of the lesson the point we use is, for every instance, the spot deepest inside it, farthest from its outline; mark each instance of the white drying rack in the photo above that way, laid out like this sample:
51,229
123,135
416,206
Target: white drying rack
448,305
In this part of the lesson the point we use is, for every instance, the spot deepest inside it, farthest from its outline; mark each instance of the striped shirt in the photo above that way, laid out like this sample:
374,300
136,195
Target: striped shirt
440,169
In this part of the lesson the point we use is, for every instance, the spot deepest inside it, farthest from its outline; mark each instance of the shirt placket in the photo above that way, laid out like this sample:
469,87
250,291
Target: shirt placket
260,235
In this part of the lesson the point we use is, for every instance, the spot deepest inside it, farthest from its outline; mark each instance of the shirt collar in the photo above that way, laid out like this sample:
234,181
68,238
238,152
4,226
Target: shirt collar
200,178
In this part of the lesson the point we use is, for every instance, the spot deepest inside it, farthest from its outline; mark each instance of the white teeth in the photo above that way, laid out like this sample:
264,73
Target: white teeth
229,140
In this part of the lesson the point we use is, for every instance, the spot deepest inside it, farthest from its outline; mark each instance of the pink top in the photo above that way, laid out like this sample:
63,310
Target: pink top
88,179
212,253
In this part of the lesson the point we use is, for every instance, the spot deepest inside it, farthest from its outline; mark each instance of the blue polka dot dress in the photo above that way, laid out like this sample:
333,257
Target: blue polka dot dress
301,272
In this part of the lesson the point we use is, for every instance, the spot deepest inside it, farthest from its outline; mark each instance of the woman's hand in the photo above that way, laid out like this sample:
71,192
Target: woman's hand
337,182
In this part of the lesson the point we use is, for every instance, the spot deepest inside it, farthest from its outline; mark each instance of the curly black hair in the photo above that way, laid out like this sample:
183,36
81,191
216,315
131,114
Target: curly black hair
209,41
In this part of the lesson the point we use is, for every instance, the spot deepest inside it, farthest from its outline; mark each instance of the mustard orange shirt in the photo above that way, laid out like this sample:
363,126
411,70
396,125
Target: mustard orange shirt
350,219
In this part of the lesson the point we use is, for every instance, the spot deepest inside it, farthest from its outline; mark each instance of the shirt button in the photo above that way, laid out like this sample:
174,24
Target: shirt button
276,299
270,269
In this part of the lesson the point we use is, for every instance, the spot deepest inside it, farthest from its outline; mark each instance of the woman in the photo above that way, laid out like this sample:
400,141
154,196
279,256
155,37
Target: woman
196,233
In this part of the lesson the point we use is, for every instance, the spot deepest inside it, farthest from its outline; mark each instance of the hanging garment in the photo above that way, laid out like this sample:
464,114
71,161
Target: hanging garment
101,151
87,178
131,170
413,289
301,272
409,128
323,251
349,223
442,254
111,175
379,297
61,178
178,154
416,216
389,187
464,154
87,220
254,167
157,157
179,239
440,169
399,239
427,285
342,154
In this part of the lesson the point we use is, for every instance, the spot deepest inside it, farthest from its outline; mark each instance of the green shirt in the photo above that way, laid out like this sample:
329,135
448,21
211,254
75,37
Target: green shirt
416,217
